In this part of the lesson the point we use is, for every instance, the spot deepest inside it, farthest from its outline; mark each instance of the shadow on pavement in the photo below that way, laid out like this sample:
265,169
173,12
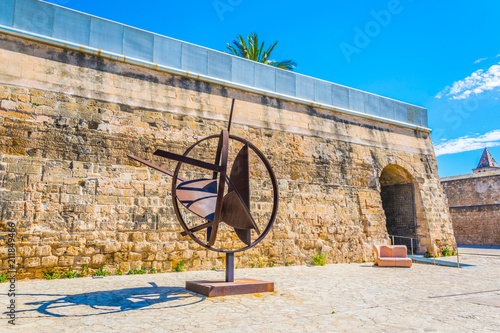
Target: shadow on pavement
112,301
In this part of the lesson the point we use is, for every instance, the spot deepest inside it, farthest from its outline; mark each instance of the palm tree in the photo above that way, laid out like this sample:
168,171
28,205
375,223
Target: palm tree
250,49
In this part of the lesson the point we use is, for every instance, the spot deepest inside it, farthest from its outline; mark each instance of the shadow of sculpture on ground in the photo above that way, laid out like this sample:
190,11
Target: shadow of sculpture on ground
109,301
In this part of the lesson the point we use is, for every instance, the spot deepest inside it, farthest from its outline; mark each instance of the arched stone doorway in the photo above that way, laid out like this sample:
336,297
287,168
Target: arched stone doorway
397,191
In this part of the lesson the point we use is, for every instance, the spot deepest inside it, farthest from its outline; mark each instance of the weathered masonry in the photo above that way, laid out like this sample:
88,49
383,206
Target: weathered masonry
474,201
77,93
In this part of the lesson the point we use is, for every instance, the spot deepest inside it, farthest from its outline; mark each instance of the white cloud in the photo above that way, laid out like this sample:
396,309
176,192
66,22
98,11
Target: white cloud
478,82
466,143
479,60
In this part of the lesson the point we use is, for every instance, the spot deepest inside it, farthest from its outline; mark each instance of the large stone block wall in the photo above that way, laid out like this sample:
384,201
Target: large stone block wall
474,202
68,121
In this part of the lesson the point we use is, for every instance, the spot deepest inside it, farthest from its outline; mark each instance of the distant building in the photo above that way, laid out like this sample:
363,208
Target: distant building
486,163
474,201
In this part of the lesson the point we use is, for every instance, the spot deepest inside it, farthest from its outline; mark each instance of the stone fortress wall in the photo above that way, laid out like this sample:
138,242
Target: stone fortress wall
68,120
474,202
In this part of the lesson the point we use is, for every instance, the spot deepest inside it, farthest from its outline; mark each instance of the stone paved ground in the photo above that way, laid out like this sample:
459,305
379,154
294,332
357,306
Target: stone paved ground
333,298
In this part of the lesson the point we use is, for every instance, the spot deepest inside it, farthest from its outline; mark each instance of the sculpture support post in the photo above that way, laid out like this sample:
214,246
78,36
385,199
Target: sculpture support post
229,267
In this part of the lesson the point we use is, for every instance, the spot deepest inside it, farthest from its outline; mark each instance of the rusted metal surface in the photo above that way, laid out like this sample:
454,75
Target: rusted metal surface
208,199
151,165
229,267
235,208
205,197
187,160
223,146
240,176
223,288
230,117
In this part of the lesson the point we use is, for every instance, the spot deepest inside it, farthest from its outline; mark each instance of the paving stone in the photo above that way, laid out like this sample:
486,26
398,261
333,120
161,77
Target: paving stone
331,298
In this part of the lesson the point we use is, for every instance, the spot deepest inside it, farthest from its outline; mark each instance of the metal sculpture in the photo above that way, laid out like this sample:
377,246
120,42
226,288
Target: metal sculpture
222,197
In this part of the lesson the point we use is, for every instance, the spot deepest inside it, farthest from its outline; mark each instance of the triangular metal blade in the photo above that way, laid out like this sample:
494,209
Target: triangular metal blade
240,175
244,236
235,214
240,178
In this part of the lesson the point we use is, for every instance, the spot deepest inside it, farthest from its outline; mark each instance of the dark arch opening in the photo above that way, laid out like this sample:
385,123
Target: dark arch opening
397,191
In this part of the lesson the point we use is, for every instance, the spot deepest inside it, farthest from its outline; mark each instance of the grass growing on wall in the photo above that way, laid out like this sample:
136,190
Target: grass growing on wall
319,259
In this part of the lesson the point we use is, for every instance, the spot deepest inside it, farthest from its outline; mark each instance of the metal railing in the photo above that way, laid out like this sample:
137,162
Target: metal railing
405,237
434,253
433,248
54,24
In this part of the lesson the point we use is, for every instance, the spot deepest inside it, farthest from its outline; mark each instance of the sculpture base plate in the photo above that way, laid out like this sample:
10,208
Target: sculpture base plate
213,288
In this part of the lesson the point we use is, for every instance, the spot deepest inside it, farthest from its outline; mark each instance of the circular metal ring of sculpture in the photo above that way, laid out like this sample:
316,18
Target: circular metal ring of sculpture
272,177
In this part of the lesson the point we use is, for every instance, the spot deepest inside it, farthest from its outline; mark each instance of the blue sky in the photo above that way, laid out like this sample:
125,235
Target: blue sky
442,55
